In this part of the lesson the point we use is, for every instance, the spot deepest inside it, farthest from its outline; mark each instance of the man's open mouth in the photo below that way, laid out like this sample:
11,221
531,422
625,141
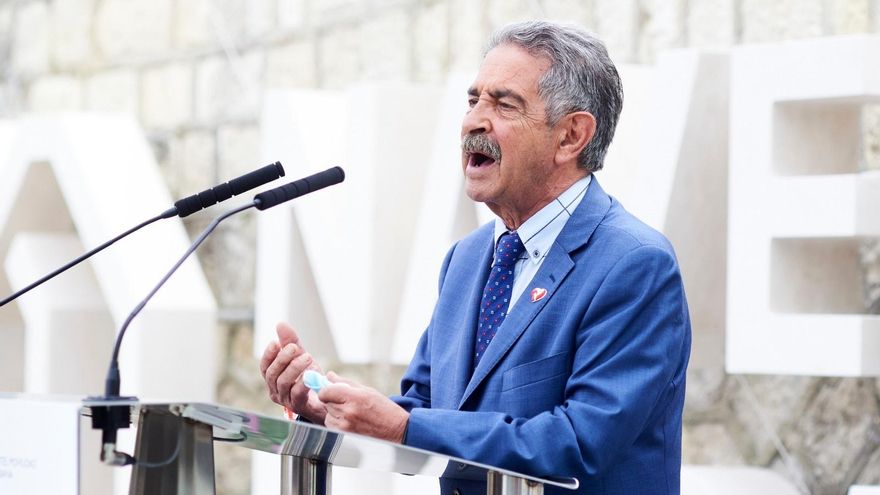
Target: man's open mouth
479,160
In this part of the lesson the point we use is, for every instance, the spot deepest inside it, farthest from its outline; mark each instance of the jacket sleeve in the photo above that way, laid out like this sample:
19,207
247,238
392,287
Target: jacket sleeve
631,345
415,386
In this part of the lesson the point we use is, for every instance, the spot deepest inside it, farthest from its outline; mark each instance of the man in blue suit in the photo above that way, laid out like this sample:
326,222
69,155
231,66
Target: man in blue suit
560,338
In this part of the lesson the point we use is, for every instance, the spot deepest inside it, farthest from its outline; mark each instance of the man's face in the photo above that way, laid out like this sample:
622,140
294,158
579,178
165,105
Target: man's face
507,147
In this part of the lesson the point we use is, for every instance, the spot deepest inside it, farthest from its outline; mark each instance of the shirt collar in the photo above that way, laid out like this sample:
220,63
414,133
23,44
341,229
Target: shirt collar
540,231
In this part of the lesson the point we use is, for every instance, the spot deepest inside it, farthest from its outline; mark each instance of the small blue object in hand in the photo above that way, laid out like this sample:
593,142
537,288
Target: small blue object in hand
314,380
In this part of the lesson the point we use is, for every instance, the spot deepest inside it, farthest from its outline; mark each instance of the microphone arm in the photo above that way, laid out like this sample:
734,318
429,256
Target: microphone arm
165,214
111,386
182,208
111,418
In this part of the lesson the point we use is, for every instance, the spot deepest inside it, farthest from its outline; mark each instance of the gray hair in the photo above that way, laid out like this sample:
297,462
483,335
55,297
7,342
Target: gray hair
581,78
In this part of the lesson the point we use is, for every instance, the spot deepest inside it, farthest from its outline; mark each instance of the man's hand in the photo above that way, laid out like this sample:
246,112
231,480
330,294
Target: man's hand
358,409
282,366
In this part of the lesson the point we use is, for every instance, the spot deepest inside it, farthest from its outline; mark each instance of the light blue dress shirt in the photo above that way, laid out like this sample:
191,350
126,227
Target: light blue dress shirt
538,234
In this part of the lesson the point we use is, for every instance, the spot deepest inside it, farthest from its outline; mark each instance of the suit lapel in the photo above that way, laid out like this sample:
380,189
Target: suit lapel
472,293
555,268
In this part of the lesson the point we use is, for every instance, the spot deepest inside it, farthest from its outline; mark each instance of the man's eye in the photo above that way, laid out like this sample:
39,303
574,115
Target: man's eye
472,102
507,106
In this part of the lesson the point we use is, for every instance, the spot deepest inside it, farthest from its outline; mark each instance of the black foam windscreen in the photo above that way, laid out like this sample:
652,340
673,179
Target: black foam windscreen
209,197
256,178
297,188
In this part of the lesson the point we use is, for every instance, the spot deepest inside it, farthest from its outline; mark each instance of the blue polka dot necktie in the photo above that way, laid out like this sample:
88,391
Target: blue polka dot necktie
496,293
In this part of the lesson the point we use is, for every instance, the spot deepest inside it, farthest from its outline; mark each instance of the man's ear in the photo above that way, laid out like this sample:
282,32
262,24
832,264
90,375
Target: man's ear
576,130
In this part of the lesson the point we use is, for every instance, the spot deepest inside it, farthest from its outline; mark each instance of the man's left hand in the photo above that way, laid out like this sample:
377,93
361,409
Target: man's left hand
359,409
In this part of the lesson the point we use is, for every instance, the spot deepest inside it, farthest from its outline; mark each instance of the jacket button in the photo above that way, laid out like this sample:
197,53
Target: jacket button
456,492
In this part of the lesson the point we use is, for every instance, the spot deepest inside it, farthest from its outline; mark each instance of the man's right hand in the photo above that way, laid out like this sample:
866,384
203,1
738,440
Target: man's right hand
282,365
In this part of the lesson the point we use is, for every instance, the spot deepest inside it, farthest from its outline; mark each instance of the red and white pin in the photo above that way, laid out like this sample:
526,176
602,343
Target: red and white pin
538,293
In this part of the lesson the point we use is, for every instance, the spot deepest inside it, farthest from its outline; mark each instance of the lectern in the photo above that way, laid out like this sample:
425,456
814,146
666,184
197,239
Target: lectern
175,450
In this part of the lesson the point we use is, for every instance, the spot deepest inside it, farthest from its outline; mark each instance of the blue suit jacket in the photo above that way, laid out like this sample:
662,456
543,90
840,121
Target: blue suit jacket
587,382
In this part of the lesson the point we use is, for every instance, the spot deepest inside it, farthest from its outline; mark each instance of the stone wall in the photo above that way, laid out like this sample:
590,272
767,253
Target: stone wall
194,72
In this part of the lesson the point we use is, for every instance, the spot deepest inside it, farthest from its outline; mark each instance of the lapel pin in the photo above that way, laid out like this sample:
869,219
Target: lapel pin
538,293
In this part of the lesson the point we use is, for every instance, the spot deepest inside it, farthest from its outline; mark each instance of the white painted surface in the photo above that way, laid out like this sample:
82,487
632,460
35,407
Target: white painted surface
94,176
346,241
65,319
797,204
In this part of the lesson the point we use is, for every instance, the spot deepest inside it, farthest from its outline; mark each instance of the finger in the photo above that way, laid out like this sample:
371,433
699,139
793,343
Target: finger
268,356
286,334
315,404
334,378
292,375
278,365
336,393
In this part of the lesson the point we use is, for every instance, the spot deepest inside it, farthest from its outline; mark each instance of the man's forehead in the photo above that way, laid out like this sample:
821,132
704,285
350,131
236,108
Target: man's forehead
509,69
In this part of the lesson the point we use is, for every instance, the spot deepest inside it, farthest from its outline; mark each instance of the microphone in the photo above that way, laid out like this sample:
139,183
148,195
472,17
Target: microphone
295,189
182,208
209,197
111,418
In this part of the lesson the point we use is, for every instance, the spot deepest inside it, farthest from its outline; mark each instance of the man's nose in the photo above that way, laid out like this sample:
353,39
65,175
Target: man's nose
476,121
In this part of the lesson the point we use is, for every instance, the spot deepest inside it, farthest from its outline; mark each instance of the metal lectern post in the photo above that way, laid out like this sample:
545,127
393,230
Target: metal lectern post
175,455
301,476
505,484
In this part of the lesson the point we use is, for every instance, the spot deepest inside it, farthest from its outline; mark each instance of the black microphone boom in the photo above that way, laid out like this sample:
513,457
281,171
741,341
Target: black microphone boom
182,208
113,417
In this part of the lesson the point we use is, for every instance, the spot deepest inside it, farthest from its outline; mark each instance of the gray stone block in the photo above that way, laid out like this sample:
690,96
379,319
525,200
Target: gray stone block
709,443
199,23
617,23
291,65
386,45
192,26
871,137
166,95
192,158
762,407
71,28
228,261
848,16
468,32
55,94
133,28
260,17
238,150
328,12
501,12
292,14
772,20
113,91
339,62
705,391
431,43
30,39
711,23
229,88
869,256
663,29
576,11
835,435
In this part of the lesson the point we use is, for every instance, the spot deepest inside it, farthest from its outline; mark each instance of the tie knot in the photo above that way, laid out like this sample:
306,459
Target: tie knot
509,248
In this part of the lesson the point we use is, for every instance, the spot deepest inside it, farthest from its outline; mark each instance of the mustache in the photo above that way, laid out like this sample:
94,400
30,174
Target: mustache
480,143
